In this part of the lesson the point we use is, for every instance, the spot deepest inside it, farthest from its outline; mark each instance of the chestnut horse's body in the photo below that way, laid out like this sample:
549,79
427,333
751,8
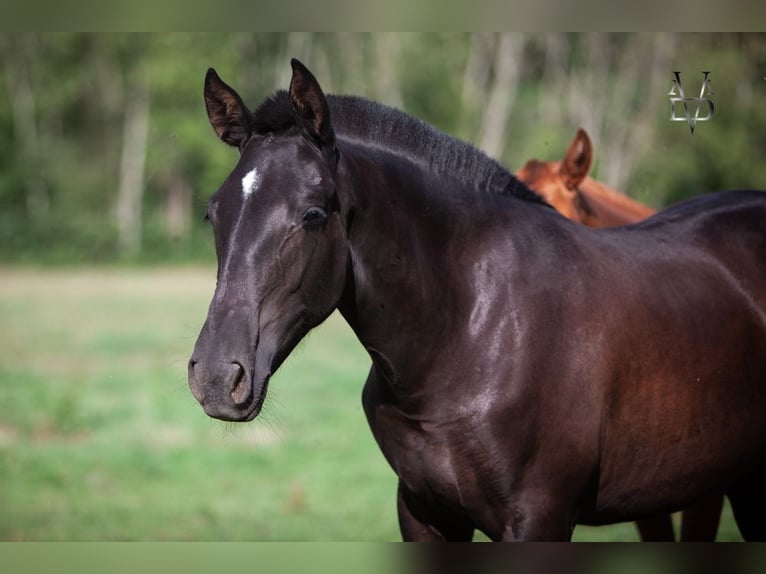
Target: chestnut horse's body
567,186
501,401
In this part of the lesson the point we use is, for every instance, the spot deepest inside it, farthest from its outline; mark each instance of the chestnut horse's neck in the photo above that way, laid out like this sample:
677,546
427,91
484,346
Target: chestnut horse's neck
602,206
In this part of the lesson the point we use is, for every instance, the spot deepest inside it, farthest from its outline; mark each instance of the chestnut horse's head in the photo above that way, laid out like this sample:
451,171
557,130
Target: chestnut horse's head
557,181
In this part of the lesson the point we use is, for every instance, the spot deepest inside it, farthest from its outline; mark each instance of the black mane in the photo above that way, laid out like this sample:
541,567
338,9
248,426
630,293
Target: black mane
373,123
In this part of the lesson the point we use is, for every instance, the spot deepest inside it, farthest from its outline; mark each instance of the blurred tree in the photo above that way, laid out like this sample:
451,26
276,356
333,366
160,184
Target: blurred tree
135,131
20,53
98,124
508,55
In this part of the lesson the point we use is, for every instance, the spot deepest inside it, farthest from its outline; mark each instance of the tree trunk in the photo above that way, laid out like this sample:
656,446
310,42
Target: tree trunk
475,79
178,208
387,87
130,190
554,79
630,138
19,54
502,94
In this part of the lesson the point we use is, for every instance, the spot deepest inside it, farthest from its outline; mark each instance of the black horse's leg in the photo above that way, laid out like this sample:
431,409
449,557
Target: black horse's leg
700,521
418,524
749,505
657,528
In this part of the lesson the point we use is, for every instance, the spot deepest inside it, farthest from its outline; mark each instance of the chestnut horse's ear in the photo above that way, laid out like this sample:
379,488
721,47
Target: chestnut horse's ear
226,111
578,160
310,106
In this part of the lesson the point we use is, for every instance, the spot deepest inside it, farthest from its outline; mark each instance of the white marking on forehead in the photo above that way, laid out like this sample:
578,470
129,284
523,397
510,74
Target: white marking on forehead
250,182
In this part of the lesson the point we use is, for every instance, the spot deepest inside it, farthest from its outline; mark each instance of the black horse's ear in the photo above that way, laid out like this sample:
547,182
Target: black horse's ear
226,111
310,105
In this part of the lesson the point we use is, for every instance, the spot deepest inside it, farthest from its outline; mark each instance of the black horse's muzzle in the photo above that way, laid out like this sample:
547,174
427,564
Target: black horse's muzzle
226,389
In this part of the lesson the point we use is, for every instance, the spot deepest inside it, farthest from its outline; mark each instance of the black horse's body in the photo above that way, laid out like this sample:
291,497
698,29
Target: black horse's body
607,375
528,373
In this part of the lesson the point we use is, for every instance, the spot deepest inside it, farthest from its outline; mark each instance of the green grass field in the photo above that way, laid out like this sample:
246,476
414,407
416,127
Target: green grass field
100,438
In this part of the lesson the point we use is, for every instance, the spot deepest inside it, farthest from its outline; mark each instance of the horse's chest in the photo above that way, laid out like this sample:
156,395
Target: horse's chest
432,463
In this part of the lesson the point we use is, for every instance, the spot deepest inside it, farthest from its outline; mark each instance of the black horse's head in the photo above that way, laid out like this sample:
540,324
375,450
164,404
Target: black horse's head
280,242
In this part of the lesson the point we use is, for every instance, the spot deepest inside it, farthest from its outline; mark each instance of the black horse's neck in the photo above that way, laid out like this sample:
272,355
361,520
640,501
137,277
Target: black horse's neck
411,240
398,237
375,124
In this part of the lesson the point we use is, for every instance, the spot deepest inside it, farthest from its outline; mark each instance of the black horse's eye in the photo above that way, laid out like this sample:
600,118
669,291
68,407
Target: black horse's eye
314,217
209,213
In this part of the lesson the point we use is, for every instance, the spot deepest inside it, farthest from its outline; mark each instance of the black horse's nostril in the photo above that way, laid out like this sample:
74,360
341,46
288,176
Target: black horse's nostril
228,385
239,384
191,372
194,383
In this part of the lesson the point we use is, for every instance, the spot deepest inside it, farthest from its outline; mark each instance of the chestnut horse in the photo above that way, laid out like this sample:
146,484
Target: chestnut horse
566,185
502,402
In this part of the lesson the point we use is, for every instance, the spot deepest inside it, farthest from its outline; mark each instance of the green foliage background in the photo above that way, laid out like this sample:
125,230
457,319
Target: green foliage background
64,99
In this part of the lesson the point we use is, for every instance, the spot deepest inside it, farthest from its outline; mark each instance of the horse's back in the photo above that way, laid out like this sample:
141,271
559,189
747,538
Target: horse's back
727,227
686,386
734,207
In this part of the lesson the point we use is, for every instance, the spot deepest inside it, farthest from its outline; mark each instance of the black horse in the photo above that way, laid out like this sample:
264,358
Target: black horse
529,373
